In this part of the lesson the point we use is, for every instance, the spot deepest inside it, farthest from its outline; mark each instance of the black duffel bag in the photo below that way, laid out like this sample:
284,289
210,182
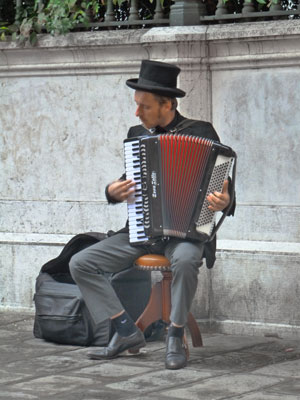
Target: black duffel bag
61,314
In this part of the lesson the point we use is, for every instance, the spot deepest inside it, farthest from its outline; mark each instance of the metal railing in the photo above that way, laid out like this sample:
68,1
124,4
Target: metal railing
148,13
250,10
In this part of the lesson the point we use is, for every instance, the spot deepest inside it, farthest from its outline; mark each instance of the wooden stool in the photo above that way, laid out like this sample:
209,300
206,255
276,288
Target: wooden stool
159,305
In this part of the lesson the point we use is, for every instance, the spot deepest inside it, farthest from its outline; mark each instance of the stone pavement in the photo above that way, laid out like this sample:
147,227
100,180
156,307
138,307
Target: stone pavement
227,367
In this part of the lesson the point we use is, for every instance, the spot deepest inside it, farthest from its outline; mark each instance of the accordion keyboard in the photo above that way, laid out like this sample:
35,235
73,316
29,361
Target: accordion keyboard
134,203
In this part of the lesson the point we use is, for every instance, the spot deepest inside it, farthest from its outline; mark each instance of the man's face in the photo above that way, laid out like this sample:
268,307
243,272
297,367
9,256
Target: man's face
150,111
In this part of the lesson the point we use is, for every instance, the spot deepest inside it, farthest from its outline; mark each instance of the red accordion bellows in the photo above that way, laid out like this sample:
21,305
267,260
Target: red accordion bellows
183,163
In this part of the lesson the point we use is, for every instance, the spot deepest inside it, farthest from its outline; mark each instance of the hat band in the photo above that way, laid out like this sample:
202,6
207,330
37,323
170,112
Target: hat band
143,81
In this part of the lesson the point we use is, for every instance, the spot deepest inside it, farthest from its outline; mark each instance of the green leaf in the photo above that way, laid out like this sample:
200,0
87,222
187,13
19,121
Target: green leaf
41,18
36,5
13,28
22,39
80,12
71,3
33,38
37,27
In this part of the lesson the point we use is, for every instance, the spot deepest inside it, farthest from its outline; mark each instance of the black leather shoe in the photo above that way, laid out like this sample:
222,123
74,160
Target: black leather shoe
118,344
176,357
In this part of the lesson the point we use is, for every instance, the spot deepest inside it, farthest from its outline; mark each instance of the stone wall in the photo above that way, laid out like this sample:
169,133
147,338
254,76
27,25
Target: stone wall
65,110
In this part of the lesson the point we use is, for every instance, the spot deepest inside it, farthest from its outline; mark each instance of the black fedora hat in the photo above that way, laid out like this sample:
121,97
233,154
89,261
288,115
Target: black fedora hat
158,78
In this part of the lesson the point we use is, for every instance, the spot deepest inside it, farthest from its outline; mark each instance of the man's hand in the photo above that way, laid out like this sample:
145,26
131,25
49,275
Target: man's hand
219,201
121,190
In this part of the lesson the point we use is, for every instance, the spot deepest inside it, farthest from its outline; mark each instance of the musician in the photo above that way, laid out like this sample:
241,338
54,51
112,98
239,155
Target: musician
155,97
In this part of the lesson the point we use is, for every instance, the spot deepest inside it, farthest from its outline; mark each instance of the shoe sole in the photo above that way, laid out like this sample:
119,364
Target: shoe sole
135,349
169,367
131,350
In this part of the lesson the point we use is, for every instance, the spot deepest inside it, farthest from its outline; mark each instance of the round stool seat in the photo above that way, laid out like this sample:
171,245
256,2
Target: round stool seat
153,262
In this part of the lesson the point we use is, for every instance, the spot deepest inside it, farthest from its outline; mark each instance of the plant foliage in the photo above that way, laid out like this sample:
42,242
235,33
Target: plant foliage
56,17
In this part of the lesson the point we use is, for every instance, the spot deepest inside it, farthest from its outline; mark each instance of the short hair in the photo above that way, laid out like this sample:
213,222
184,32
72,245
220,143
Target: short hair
165,99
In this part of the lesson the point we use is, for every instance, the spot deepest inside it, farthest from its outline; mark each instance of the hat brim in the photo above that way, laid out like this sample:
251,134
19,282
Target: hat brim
160,90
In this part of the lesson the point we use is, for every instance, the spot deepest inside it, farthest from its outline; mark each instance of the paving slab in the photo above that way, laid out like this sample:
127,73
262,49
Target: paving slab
290,369
227,367
222,387
265,396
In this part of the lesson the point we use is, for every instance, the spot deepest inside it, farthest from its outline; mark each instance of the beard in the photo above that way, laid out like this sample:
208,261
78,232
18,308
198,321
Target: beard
154,124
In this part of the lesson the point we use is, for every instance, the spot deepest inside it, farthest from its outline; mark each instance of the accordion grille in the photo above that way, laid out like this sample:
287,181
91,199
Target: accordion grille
215,184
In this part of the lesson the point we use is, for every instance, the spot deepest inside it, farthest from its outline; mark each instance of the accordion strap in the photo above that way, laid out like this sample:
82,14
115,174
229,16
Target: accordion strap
182,125
232,197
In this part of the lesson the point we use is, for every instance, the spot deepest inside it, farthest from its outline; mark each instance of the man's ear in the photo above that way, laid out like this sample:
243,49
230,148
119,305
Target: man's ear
168,105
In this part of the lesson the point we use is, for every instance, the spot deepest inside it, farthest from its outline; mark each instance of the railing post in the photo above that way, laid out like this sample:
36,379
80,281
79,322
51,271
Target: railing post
221,8
248,7
18,11
186,12
109,15
158,10
133,16
276,6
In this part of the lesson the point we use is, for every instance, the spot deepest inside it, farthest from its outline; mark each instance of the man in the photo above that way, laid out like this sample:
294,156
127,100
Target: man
155,97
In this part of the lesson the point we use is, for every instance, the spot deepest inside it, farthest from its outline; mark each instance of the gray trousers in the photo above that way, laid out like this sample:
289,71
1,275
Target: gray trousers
115,254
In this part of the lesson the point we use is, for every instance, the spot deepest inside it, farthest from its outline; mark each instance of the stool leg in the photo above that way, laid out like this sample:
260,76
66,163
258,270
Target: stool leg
166,295
159,307
153,310
186,346
194,331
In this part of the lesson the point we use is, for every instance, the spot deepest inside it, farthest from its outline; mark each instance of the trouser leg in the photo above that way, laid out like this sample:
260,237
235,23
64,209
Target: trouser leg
88,266
185,258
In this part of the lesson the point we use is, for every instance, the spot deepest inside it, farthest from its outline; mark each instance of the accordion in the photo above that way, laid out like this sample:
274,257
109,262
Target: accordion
173,175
